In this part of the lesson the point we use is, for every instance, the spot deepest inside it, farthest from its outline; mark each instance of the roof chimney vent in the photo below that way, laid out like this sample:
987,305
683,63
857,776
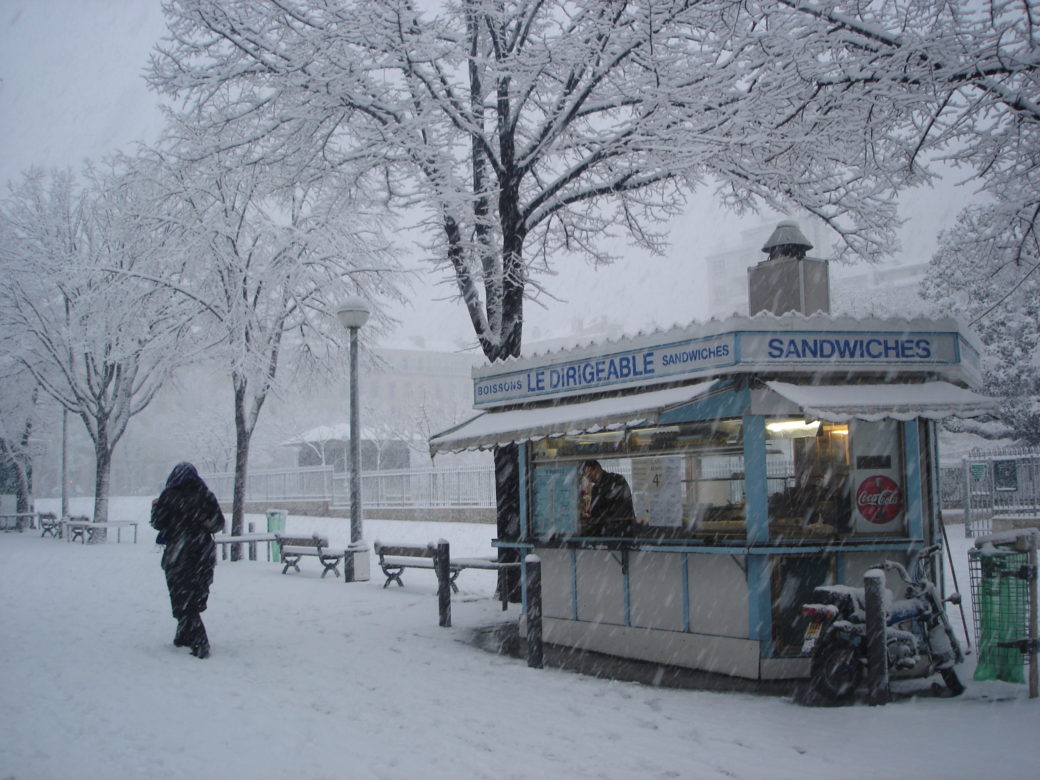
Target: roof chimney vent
787,241
788,281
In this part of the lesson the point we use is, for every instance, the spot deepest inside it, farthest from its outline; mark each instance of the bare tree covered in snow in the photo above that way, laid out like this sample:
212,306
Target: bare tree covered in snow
986,272
525,131
528,131
960,83
266,263
95,334
19,408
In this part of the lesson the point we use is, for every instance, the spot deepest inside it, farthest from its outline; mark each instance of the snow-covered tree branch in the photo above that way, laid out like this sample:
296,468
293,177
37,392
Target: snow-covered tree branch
94,336
266,263
529,131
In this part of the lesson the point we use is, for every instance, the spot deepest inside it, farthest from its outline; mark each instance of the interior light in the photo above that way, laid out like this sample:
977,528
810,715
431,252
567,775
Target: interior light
793,426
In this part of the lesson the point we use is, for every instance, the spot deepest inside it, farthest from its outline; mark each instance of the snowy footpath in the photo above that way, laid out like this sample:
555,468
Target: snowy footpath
313,678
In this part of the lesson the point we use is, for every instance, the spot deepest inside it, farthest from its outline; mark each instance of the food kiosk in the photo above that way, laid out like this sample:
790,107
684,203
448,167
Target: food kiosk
764,455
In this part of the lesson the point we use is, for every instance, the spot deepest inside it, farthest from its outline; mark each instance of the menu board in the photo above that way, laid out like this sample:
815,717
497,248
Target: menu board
555,498
657,490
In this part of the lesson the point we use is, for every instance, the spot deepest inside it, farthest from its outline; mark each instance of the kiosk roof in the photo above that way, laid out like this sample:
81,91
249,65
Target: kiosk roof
841,403
490,429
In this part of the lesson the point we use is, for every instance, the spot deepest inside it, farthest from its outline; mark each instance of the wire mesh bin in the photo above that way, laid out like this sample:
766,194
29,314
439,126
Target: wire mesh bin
1003,574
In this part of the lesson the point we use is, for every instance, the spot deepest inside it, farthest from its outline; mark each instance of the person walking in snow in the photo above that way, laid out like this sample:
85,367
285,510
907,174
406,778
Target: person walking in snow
186,515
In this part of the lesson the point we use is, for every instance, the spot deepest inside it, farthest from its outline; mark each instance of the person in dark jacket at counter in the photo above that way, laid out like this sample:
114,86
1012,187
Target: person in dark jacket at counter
186,515
609,510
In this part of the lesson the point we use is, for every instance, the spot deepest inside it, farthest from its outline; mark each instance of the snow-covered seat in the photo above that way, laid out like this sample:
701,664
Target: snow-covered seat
395,558
295,547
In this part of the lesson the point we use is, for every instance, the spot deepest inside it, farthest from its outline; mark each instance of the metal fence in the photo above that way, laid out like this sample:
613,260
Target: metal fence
465,486
457,486
314,482
1000,482
1005,481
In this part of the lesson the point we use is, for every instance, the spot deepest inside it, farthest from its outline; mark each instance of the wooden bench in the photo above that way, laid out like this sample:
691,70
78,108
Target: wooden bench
76,528
81,527
295,547
50,525
395,558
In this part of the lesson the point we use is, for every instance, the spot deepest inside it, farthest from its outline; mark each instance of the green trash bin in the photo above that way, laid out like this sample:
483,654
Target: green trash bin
1001,600
276,525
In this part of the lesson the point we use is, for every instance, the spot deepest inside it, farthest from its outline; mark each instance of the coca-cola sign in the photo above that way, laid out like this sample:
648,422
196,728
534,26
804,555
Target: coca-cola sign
879,499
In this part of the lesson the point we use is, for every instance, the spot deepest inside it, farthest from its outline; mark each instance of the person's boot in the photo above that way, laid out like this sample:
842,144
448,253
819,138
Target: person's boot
182,638
200,642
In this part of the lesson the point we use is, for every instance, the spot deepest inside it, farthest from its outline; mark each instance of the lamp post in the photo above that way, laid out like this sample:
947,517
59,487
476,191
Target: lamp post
353,314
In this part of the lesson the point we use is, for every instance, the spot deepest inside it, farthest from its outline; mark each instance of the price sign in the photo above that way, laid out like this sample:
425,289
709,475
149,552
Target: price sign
657,490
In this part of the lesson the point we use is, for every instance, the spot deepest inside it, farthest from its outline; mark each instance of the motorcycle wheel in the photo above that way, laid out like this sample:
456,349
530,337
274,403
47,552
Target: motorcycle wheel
953,682
835,672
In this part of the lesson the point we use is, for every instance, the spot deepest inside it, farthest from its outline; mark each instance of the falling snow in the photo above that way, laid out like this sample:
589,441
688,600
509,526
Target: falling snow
312,678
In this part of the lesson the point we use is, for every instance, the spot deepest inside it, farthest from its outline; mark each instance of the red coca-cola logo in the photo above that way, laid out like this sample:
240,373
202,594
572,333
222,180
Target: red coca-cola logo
879,499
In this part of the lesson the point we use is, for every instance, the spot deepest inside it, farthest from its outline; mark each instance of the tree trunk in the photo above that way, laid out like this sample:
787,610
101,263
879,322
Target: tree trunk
15,455
507,512
102,479
243,433
64,462
238,503
23,472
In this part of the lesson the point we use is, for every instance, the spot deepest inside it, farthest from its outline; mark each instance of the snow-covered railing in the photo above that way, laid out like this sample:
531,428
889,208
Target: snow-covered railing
314,482
465,486
1003,481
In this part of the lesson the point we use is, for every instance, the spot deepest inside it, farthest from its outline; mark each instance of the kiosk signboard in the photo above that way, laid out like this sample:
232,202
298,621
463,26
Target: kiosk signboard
647,361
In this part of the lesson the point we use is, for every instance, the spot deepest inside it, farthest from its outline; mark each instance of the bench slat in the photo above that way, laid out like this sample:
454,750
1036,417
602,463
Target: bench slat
290,550
407,563
404,551
483,563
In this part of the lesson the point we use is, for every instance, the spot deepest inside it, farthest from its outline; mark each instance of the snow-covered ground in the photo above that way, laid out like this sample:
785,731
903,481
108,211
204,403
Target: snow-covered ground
313,678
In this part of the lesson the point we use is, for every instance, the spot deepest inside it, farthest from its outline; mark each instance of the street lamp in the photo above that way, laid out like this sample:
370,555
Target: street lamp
353,314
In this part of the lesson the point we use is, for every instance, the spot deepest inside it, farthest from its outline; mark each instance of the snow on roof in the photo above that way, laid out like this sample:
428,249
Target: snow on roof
836,403
490,429
841,403
760,321
341,432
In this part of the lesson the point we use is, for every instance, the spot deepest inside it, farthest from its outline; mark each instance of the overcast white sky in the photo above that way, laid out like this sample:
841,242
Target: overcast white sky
72,88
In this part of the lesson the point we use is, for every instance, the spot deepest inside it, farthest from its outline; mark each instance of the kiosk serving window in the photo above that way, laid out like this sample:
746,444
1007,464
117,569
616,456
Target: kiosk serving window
688,481
813,460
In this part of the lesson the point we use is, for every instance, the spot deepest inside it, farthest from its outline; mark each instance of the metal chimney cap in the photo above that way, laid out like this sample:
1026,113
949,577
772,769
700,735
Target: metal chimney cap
787,233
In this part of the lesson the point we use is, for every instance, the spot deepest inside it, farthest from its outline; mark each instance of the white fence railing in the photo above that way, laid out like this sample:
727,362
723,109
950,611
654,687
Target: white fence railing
470,486
474,486
999,482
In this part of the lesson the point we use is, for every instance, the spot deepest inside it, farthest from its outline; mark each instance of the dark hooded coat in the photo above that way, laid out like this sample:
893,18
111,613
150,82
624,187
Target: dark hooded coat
186,515
611,512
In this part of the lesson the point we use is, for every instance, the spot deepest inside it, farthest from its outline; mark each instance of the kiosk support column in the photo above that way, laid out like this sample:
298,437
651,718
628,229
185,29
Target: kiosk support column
756,499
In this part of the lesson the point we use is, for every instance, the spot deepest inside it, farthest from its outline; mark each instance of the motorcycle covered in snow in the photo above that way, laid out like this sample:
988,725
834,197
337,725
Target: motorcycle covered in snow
919,637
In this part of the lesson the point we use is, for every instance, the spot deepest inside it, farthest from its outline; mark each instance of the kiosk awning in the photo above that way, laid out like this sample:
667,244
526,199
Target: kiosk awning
490,429
841,403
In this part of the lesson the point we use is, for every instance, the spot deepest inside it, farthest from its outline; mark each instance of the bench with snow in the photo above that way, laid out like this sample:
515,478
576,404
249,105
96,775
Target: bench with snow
50,525
295,547
395,558
76,528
